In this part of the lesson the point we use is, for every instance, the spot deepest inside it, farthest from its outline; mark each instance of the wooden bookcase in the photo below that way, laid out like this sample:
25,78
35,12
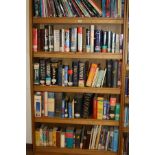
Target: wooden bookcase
117,24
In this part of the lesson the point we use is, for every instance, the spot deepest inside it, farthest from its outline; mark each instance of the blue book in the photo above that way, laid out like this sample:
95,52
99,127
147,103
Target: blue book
63,108
109,73
97,40
115,140
51,104
40,8
103,8
112,8
69,110
48,73
66,75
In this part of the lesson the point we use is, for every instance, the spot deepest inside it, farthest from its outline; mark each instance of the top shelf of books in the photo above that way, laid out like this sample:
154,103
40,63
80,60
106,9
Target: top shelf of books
77,20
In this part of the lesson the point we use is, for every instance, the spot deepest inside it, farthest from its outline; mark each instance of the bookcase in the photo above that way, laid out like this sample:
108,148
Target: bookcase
118,25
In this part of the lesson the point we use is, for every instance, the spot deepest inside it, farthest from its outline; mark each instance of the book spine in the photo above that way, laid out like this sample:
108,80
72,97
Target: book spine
37,137
73,108
113,42
103,8
56,40
119,74
99,79
74,39
51,104
92,38
117,112
112,108
46,39
60,75
70,77
126,86
69,9
94,108
104,41
81,82
108,8
87,40
45,103
50,38
36,8
66,109
121,43
69,110
62,40
63,76
114,73
112,8
63,108
119,8
117,50
36,73
105,109
67,40
66,75
48,73
34,41
97,40
99,108
62,142
109,73
91,74
78,11
42,34
115,140
37,105
75,73
95,77
79,39
42,71
54,72
109,41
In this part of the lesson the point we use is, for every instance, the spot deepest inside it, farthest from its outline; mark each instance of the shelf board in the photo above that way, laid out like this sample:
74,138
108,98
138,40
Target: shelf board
126,99
77,55
77,20
76,121
77,89
67,151
125,129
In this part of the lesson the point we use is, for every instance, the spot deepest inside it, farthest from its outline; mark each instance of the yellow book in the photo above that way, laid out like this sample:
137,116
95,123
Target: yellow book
50,137
91,74
54,136
37,137
99,107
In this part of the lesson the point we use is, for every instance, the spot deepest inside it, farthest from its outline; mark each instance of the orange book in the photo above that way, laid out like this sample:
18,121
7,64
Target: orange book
91,74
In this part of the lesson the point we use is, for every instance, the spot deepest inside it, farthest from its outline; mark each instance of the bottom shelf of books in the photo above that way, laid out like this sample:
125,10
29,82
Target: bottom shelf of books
95,139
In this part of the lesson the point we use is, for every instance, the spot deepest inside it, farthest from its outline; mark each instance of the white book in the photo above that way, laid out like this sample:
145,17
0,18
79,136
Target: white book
46,103
90,142
100,77
73,39
94,137
95,77
56,40
92,38
79,39
62,40
113,42
105,70
62,140
117,44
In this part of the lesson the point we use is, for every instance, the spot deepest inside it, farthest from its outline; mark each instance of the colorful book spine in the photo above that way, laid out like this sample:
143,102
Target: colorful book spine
37,104
66,75
34,41
92,38
37,137
63,108
100,77
73,39
56,40
104,41
87,40
51,104
79,39
48,73
91,75
117,112
69,109
112,108
70,77
99,107
97,40
81,82
67,40
42,71
108,8
36,73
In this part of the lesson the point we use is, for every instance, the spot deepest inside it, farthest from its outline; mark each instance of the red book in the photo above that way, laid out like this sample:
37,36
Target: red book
107,8
95,108
34,41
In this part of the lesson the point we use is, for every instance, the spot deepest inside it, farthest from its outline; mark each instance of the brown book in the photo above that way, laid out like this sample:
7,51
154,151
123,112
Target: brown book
58,134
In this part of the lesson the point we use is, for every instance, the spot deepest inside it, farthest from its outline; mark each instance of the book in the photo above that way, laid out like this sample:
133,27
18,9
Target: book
36,8
117,112
81,82
70,76
109,41
60,68
69,137
109,73
36,73
92,38
121,43
54,72
74,39
104,41
77,138
67,40
58,104
91,74
62,139
88,40
103,8
56,40
79,29
50,38
115,140
114,73
51,104
100,107
108,8
100,77
37,104
65,75
37,137
62,40
75,73
34,39
42,71
77,106
45,96
46,41
48,72
112,108
113,46
97,44
126,86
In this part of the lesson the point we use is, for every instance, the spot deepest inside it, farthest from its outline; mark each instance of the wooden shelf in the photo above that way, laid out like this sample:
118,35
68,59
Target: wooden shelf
126,99
125,129
77,121
127,67
73,151
77,20
77,89
78,55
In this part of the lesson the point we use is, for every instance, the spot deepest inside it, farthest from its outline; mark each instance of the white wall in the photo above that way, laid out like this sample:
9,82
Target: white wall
28,97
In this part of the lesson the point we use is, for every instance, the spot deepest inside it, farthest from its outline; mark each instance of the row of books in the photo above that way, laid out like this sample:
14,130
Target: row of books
96,137
50,72
127,86
126,116
76,39
51,104
77,8
125,144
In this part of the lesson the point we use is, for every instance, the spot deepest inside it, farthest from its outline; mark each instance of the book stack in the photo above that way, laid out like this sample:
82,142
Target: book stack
77,8
81,74
62,105
76,39
97,137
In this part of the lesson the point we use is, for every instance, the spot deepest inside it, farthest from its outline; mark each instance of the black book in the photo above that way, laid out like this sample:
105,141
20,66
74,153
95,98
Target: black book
81,82
126,86
54,72
62,8
71,7
60,74
86,105
42,71
48,72
75,73
109,42
66,106
36,8
78,106
58,10
46,39
77,138
109,73
55,9
86,70
114,73
58,103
